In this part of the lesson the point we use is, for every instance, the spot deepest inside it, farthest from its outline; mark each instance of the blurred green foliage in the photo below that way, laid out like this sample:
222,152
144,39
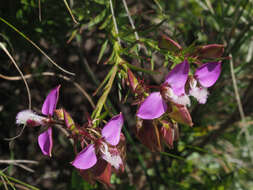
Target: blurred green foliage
215,154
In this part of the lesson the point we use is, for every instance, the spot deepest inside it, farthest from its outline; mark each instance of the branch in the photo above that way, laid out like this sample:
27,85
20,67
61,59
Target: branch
52,74
20,72
114,22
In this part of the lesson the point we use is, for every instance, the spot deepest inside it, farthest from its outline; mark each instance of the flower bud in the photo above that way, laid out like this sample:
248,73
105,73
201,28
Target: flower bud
180,114
167,43
169,133
211,51
132,80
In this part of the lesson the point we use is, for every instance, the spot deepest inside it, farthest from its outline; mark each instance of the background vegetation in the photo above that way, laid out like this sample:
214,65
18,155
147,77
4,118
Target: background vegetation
217,153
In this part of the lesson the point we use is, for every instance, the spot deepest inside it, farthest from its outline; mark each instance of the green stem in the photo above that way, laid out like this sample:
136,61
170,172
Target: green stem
18,181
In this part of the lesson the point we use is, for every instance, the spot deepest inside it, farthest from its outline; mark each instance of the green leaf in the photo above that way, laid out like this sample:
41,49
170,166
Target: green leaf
172,155
101,53
97,19
104,81
102,2
107,89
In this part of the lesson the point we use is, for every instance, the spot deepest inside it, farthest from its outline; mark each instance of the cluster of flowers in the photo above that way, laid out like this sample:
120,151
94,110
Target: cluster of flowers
160,112
107,143
104,149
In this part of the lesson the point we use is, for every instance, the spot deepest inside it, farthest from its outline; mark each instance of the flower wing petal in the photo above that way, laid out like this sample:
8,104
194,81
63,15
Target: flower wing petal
86,158
45,141
152,107
208,73
50,102
177,77
111,131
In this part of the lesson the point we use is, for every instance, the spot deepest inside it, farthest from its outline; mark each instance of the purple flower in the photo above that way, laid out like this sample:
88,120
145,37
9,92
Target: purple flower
45,139
87,158
28,117
204,77
173,89
50,102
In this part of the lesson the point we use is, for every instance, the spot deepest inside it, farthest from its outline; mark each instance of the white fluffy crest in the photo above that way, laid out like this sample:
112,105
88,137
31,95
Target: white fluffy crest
29,115
112,158
183,100
200,94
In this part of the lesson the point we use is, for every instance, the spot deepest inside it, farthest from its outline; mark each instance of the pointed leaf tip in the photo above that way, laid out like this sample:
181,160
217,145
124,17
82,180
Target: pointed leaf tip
152,107
111,131
50,102
86,158
45,141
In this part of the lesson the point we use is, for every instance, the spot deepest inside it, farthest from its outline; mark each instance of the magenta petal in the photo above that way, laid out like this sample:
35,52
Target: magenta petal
111,131
177,77
208,73
50,102
152,107
86,158
45,141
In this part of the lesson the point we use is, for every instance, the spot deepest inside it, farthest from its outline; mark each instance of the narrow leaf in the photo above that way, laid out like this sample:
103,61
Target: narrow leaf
102,51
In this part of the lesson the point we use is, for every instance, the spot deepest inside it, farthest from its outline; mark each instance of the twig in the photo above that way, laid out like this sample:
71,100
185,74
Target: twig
115,23
70,12
20,72
237,96
24,167
18,161
131,21
65,132
13,138
39,4
86,65
4,182
52,74
17,185
129,174
17,182
239,104
36,46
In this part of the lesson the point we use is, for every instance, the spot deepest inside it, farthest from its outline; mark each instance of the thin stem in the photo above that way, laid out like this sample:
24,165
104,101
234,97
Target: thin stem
87,66
86,95
13,138
18,181
19,161
65,132
36,46
39,4
21,74
239,104
131,22
70,12
4,182
114,22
